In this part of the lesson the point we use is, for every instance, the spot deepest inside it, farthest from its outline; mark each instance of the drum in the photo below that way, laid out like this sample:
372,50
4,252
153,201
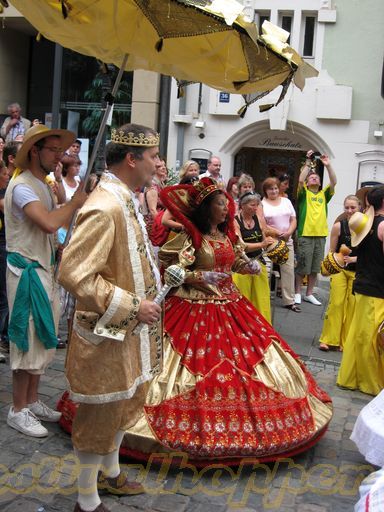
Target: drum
332,264
278,252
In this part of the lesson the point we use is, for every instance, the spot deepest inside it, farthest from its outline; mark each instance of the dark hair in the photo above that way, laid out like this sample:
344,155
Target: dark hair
200,216
115,152
376,196
68,161
77,141
269,183
284,177
187,180
10,149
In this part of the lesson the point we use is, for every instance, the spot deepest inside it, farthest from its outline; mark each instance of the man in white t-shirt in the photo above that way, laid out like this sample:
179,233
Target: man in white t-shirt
31,220
213,171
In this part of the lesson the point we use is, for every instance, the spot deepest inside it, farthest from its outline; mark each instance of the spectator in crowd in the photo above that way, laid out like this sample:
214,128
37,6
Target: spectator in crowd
341,304
362,365
31,222
249,224
233,189
245,184
312,229
280,215
9,154
70,175
14,125
74,149
213,171
4,179
2,144
284,182
190,169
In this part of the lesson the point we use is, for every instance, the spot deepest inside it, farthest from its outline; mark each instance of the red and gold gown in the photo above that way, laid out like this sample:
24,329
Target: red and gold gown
231,388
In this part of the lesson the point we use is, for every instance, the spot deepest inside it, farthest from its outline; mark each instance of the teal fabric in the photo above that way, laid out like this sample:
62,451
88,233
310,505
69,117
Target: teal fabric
30,297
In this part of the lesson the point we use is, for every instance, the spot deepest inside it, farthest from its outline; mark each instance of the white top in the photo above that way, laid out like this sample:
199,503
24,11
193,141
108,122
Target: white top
23,195
69,191
279,216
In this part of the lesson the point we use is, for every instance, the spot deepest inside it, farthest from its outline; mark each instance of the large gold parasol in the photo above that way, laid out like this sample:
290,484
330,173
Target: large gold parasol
209,41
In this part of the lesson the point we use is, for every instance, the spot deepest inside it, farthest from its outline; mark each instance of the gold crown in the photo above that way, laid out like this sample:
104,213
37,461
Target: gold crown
204,187
130,139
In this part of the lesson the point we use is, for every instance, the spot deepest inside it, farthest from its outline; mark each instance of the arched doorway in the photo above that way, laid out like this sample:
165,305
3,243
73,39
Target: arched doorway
262,152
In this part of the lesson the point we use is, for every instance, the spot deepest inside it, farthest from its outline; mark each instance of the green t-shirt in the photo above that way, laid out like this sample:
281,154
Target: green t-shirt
313,209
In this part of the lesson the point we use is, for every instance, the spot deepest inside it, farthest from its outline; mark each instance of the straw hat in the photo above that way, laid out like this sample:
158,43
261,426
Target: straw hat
360,225
36,133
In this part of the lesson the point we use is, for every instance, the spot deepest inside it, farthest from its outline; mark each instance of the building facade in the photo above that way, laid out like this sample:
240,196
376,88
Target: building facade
340,112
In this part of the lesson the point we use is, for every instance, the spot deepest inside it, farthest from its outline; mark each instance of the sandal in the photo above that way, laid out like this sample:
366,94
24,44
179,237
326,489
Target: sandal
293,307
324,347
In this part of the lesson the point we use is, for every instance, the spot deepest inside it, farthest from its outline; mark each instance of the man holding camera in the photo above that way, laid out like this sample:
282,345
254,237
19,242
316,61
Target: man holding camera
312,227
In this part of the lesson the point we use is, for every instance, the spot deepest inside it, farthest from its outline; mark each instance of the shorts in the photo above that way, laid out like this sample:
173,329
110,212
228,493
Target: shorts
310,254
95,425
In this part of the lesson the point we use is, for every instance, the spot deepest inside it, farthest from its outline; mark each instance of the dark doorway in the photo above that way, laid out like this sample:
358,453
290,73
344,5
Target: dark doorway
263,163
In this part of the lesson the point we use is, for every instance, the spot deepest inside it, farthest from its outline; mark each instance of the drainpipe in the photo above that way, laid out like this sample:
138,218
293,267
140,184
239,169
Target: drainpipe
181,131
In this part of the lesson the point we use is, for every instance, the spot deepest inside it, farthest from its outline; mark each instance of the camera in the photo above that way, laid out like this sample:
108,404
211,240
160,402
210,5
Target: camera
315,156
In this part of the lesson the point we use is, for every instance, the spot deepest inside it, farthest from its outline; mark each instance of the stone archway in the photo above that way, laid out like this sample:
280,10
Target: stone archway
262,152
306,137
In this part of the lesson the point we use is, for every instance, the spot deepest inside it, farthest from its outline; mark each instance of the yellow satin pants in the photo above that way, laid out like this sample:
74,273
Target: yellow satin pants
256,290
340,309
362,365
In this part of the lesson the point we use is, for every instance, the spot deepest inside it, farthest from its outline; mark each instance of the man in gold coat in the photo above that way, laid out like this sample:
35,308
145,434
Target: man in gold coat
110,269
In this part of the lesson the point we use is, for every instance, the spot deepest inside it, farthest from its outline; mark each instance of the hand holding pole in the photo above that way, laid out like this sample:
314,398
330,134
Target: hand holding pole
174,276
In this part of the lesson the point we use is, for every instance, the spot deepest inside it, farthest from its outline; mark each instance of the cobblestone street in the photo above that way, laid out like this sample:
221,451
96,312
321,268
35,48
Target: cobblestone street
39,474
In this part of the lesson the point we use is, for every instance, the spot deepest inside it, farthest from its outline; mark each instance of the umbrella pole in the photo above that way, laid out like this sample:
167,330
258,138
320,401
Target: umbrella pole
99,136
107,111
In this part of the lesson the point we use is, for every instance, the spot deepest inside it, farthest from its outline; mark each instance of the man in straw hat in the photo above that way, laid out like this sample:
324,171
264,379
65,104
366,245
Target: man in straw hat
362,366
31,221
109,266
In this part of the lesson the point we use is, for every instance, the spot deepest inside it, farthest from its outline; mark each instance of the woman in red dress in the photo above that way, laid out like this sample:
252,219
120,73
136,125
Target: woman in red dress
231,388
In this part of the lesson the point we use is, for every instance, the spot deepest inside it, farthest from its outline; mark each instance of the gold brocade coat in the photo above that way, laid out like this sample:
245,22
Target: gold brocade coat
109,267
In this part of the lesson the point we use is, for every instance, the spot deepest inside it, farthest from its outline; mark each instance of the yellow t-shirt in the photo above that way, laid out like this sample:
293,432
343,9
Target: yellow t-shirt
313,209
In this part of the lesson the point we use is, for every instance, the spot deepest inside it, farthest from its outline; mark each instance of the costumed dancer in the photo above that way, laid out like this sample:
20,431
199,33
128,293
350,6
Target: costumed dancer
109,266
362,365
341,304
231,387
254,287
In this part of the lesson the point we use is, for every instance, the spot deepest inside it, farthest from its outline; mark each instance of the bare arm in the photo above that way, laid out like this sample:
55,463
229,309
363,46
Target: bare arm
59,189
169,222
335,233
2,205
380,233
331,172
152,196
50,221
291,229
